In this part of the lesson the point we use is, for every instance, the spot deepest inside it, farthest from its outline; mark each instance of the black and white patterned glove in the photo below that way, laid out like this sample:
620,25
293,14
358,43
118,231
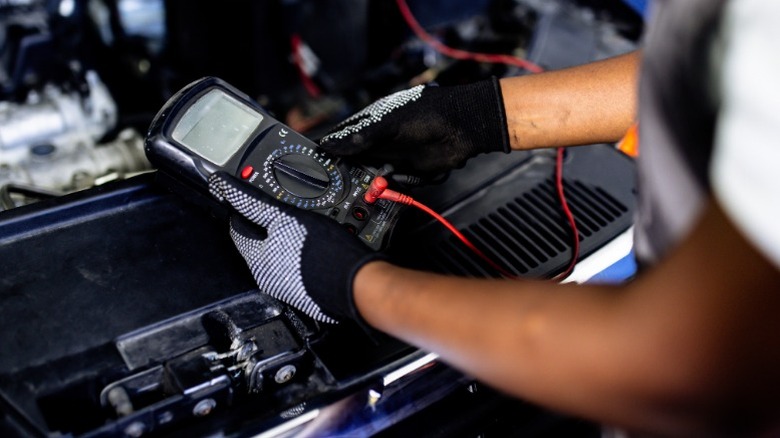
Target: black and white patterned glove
425,130
296,256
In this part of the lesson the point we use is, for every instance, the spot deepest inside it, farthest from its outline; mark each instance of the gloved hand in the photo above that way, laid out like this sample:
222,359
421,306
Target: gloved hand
299,257
425,130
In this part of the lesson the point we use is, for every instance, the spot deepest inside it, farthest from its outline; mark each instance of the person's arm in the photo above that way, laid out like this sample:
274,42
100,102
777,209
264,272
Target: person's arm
428,130
690,348
591,103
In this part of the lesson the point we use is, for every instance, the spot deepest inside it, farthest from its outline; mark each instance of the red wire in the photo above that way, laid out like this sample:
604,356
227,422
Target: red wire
463,239
522,63
494,58
575,250
308,83
378,190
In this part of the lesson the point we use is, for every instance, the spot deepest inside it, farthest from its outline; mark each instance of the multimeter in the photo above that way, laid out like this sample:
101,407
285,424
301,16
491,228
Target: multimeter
210,126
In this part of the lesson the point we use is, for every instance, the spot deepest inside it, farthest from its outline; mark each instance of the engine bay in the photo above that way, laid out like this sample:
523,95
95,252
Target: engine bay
128,303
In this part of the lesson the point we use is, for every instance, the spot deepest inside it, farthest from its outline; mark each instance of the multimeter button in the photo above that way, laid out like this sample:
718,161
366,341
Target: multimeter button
359,213
247,171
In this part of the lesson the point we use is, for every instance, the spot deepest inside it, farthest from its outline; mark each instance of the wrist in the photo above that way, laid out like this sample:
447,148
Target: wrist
482,114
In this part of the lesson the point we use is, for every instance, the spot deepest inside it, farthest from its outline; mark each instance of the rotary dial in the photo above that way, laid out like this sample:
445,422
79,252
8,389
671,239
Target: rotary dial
298,175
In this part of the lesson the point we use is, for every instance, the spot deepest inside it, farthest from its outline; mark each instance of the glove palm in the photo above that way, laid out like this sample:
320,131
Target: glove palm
296,256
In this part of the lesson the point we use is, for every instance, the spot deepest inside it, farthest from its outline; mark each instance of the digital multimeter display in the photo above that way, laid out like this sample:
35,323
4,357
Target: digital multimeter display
209,127
216,126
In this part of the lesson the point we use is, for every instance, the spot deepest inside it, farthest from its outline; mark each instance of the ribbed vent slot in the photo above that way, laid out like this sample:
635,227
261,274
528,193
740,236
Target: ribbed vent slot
454,258
530,230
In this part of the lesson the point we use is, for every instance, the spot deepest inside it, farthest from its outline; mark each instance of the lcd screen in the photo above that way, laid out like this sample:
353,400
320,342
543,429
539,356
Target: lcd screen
216,126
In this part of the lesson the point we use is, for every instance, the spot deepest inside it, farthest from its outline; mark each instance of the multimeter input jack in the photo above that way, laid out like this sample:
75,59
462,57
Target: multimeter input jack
360,213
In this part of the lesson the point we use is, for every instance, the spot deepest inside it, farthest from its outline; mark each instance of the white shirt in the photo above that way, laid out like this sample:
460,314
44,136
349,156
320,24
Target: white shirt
745,167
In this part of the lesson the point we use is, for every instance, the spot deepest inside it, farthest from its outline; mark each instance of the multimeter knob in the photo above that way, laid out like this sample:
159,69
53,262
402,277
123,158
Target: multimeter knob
301,175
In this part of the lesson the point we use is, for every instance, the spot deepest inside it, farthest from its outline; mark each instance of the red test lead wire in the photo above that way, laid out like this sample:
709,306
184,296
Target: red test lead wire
575,249
511,60
378,190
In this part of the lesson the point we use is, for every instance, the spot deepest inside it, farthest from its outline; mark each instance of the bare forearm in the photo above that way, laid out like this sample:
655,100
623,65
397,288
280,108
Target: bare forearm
574,349
484,326
664,353
587,104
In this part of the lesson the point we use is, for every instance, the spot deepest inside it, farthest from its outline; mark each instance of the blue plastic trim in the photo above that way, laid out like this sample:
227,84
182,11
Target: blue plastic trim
619,272
638,5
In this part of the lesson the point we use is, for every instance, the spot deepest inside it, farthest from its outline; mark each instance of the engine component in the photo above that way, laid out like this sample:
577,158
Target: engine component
52,141
52,116
73,167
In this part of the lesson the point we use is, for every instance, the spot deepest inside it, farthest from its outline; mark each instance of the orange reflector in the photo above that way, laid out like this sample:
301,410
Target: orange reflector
629,144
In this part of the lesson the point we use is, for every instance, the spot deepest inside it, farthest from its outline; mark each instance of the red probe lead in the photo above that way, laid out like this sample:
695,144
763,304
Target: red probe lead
378,190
